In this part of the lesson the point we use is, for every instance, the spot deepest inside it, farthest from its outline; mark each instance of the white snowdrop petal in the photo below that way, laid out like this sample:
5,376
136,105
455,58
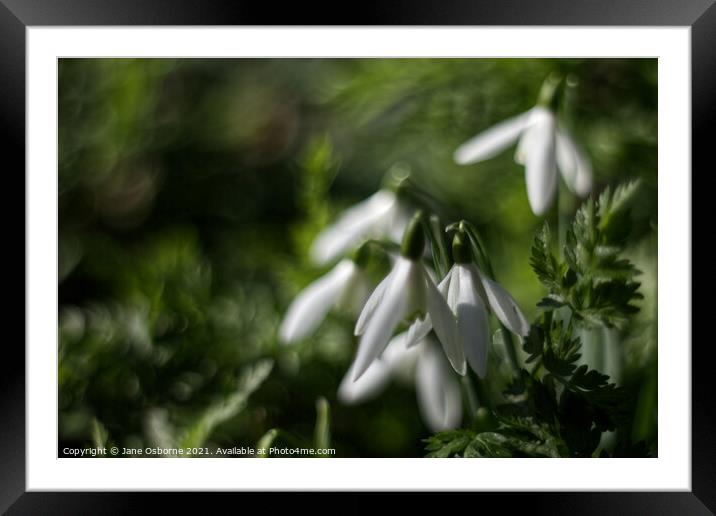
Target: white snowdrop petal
583,179
352,226
370,384
505,307
566,160
472,322
399,357
492,141
389,312
453,288
396,361
445,326
438,390
444,285
537,116
573,164
583,183
354,295
372,303
540,167
417,331
523,147
421,327
310,307
415,289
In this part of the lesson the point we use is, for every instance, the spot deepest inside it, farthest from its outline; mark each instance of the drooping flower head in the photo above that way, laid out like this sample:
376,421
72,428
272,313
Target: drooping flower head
544,145
406,293
346,287
384,215
469,293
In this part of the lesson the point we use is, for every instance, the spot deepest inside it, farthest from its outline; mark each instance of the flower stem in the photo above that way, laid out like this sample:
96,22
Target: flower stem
511,352
564,201
473,402
477,394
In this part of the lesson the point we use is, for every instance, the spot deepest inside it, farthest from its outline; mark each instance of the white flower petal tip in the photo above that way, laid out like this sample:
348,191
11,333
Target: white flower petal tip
573,164
505,307
438,390
369,385
310,307
418,331
492,141
355,224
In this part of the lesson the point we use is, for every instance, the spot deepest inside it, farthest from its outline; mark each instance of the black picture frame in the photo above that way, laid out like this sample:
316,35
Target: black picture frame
17,15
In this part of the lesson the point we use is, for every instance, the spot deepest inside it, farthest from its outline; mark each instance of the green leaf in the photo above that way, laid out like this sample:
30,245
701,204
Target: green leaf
614,208
593,279
543,261
551,302
322,432
265,442
223,410
450,443
514,437
99,434
436,235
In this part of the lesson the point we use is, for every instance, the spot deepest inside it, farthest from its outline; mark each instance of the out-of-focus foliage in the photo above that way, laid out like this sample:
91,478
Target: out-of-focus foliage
189,193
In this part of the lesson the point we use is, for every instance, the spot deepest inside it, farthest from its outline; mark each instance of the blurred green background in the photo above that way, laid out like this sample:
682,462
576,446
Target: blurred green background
189,193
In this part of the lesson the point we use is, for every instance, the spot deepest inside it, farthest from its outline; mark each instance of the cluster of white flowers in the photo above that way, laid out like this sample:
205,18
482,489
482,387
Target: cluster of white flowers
456,310
452,314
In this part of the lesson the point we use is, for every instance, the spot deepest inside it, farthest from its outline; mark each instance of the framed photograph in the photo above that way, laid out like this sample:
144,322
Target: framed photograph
445,248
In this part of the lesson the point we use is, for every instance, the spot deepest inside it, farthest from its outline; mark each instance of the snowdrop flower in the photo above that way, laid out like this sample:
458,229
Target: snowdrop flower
385,214
405,293
543,146
437,388
346,287
469,292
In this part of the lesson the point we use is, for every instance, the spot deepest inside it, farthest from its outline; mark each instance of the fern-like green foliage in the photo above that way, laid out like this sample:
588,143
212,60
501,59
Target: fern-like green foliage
513,437
592,278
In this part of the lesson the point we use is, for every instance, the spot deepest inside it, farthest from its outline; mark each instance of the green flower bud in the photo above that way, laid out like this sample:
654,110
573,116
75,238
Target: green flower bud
461,251
549,94
414,238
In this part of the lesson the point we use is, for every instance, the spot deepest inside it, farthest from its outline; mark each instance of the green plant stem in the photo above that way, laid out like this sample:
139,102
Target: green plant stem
563,203
613,360
483,394
511,352
472,401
